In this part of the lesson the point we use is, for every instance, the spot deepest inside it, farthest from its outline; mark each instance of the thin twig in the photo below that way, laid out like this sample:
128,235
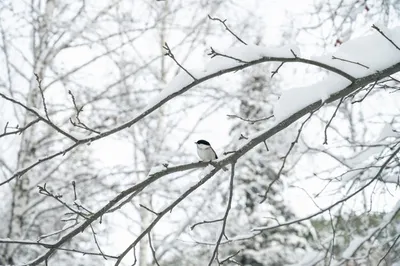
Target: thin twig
227,28
276,70
148,209
333,237
153,250
266,146
349,61
73,186
19,130
228,208
229,257
365,96
39,81
97,243
384,35
214,53
293,53
251,121
170,54
40,117
80,124
6,126
205,222
330,121
44,191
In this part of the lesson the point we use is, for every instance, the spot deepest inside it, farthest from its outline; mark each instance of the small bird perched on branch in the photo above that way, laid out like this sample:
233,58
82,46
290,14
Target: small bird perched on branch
206,152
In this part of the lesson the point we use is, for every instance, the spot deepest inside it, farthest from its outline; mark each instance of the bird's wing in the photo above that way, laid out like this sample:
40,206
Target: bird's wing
216,157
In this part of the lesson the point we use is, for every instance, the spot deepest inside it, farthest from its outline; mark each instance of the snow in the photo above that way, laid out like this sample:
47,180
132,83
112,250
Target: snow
296,99
181,80
363,53
358,241
353,246
311,258
156,169
373,51
361,162
208,169
243,54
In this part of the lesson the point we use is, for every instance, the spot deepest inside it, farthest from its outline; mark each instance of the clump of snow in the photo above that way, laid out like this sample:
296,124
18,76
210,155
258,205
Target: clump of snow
374,51
156,169
375,147
367,55
181,80
296,99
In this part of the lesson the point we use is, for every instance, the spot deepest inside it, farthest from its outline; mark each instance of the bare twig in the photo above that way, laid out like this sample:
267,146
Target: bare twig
205,222
330,121
39,81
5,127
97,243
80,124
227,28
266,146
40,117
333,237
349,61
276,70
293,53
74,187
18,130
170,54
229,258
153,250
251,121
384,35
44,191
214,53
224,219
365,96
148,209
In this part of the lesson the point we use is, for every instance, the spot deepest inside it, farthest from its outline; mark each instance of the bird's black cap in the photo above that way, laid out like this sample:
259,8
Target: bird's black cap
202,141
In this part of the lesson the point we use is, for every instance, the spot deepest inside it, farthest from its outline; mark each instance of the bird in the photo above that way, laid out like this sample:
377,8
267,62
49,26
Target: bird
206,152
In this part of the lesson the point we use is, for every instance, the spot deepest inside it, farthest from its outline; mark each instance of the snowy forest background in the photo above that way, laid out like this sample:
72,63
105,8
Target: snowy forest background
101,103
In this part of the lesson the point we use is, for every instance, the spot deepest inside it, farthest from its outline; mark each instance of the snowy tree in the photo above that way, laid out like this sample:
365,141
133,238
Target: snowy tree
66,108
